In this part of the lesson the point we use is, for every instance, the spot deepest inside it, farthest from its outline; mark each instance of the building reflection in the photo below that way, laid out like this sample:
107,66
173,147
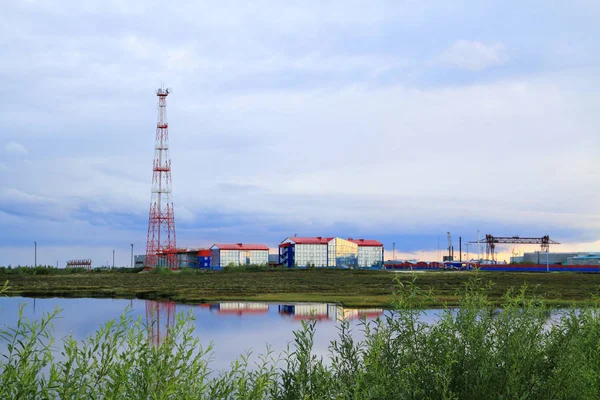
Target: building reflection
160,316
320,311
297,311
236,308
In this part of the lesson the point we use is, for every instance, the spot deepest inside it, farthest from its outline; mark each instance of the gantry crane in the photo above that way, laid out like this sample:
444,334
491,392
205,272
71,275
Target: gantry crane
491,241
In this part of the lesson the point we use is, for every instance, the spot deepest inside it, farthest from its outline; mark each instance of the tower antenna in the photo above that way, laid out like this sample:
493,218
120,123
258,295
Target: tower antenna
161,250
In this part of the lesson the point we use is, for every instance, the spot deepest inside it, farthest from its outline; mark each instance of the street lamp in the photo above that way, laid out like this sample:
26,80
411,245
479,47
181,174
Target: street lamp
478,248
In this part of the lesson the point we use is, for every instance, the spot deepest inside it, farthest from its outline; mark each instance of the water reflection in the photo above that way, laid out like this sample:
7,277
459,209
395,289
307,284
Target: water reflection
160,315
155,311
232,327
326,311
233,308
298,311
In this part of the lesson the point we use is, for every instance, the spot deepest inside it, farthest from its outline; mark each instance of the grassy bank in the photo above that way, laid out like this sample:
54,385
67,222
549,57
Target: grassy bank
348,287
475,351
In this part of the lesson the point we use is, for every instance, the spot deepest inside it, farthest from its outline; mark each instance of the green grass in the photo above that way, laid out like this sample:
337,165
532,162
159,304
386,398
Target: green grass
348,287
520,350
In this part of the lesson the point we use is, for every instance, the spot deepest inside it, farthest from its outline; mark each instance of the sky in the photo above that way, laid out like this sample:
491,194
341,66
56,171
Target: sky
389,120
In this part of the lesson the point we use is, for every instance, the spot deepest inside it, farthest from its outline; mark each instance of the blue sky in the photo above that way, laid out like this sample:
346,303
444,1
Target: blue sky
396,120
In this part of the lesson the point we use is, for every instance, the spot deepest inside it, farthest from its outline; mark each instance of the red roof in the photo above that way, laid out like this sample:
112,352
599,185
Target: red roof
241,246
363,242
310,240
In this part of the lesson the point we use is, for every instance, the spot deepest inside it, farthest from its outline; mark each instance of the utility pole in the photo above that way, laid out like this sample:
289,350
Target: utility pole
468,244
35,254
460,248
131,255
478,248
113,258
394,251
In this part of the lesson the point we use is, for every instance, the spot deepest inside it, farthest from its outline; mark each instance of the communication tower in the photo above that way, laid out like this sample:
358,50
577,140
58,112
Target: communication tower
161,249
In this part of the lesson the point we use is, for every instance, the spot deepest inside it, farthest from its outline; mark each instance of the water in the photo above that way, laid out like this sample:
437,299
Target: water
232,327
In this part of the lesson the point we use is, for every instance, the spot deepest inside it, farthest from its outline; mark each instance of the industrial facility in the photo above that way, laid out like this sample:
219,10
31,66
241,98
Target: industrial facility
573,258
225,255
292,252
330,252
306,252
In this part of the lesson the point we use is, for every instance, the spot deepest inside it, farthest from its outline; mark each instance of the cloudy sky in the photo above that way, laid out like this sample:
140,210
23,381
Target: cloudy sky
393,120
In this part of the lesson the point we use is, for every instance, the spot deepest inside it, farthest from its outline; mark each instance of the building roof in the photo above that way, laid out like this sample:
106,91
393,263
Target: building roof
366,242
240,246
591,255
309,240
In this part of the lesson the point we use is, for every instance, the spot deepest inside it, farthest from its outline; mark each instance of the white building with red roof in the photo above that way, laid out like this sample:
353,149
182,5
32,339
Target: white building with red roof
318,252
370,252
236,254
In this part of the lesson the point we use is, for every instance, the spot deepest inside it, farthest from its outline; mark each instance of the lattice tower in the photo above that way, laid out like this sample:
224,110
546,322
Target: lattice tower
160,245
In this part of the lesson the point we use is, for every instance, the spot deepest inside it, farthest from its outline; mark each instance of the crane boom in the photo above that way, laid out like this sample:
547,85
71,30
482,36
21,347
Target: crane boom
491,241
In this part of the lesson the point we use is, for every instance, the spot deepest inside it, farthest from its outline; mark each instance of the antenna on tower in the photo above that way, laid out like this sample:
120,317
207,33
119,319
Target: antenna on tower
161,249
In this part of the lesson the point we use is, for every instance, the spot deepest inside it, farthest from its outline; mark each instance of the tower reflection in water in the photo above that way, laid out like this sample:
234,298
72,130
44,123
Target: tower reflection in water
160,317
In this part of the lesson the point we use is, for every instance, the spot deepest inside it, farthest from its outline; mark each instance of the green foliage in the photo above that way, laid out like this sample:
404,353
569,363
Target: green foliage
521,350
161,271
118,270
186,271
246,268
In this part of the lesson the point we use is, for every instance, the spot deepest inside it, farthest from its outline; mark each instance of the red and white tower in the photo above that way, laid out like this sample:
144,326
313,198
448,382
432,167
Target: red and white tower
160,245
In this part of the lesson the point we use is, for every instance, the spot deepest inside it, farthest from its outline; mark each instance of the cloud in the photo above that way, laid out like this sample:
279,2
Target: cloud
16,148
473,56
321,120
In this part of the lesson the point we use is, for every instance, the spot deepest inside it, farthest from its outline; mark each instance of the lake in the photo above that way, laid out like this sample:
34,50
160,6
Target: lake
232,327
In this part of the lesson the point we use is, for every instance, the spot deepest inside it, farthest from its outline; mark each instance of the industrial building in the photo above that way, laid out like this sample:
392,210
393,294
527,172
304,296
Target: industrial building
538,257
140,260
584,259
224,255
330,252
303,251
318,252
370,252
204,258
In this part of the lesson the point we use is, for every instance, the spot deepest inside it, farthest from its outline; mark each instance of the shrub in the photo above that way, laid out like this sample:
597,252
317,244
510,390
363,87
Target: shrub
161,271
477,351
